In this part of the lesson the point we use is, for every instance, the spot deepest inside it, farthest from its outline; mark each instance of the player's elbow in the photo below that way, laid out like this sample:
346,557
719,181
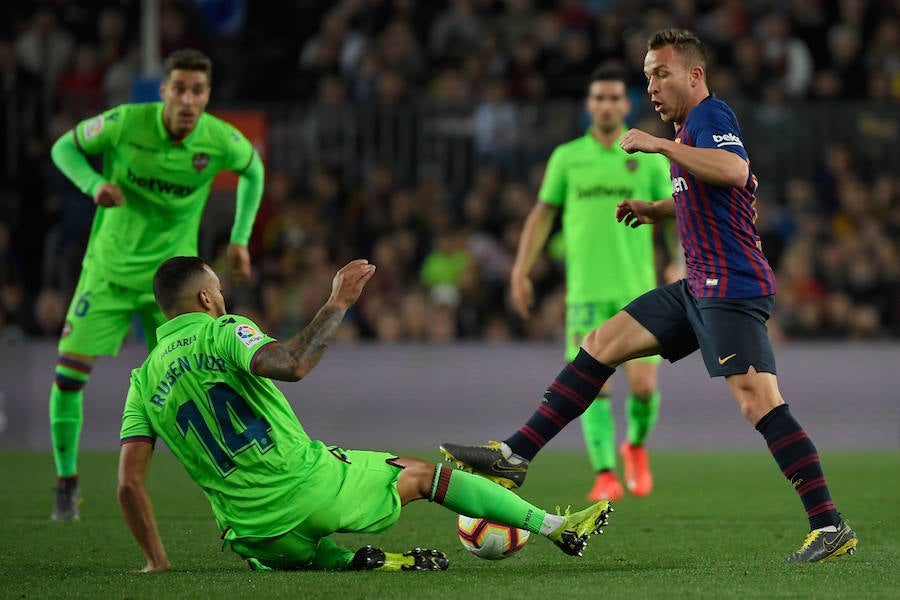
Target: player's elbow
60,146
294,376
737,172
302,370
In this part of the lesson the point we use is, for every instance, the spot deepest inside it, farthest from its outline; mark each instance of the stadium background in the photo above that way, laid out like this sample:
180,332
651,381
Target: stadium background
415,134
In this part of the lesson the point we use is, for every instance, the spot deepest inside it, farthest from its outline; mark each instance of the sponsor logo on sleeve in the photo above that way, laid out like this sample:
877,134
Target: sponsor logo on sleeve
248,335
93,127
727,139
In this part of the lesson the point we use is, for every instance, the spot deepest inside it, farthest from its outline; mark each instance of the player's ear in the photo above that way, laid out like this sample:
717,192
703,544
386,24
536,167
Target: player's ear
696,75
204,299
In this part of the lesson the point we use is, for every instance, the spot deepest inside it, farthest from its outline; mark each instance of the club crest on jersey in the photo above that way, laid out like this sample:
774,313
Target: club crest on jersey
93,127
248,335
200,161
631,164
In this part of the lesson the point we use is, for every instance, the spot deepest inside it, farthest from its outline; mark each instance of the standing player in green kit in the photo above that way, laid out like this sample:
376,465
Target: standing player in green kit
606,266
159,161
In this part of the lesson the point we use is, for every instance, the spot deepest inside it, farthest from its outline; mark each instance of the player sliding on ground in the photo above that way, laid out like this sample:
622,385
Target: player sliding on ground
206,390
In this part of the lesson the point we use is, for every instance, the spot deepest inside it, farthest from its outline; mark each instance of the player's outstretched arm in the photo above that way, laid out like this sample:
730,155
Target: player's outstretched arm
295,358
134,458
709,165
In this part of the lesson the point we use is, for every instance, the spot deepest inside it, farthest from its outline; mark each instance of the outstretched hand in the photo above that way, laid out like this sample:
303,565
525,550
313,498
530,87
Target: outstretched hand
350,281
108,195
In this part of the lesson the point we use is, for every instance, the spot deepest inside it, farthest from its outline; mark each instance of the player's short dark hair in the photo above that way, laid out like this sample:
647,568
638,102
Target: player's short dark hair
610,71
188,59
686,44
171,278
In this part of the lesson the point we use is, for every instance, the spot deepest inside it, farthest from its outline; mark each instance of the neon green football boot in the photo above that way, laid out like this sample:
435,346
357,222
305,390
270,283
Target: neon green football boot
572,536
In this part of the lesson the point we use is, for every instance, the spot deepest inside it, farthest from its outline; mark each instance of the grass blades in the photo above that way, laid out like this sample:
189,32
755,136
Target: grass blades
718,525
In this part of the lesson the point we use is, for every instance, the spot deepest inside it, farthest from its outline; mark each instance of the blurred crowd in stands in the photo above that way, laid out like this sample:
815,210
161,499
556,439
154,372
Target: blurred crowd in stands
443,244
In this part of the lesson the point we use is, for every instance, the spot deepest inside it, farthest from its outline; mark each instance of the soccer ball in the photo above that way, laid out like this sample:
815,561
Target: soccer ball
489,540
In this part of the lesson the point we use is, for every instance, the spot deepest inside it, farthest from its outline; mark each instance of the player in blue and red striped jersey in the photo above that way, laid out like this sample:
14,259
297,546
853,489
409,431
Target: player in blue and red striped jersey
721,308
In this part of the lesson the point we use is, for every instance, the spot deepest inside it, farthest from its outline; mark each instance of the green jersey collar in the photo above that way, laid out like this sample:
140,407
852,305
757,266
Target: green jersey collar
164,133
589,134
181,321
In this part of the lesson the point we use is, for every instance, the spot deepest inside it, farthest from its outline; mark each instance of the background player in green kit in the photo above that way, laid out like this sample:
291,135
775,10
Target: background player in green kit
606,266
159,161
207,391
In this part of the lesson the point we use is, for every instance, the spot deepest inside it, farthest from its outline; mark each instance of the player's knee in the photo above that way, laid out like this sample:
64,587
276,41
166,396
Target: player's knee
418,474
71,374
643,388
754,403
599,345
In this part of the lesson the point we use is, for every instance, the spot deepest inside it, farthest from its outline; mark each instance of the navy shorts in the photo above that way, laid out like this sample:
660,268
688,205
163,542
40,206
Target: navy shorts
731,333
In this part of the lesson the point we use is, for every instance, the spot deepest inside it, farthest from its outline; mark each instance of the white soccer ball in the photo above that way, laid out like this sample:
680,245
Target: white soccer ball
489,540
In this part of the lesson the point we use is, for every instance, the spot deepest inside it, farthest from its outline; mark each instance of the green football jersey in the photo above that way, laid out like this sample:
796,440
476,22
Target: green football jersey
165,184
605,260
233,431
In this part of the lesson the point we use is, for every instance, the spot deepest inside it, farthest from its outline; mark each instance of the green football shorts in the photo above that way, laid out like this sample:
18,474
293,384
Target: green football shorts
100,316
584,317
364,500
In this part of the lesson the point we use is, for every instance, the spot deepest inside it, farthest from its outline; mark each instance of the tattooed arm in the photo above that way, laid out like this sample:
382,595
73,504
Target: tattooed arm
295,358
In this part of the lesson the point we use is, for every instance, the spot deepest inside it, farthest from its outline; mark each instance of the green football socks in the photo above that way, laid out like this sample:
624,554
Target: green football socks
642,415
475,496
66,415
599,429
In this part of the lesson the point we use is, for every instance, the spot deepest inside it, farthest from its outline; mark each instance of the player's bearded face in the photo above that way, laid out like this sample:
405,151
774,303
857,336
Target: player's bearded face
607,103
185,95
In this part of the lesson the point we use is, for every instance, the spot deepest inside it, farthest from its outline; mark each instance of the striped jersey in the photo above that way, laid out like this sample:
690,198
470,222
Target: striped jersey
717,224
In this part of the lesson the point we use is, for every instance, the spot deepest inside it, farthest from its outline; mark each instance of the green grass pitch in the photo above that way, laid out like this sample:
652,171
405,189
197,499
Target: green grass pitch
718,525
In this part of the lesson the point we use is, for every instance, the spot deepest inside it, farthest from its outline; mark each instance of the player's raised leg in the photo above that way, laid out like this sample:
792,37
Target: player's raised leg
619,339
